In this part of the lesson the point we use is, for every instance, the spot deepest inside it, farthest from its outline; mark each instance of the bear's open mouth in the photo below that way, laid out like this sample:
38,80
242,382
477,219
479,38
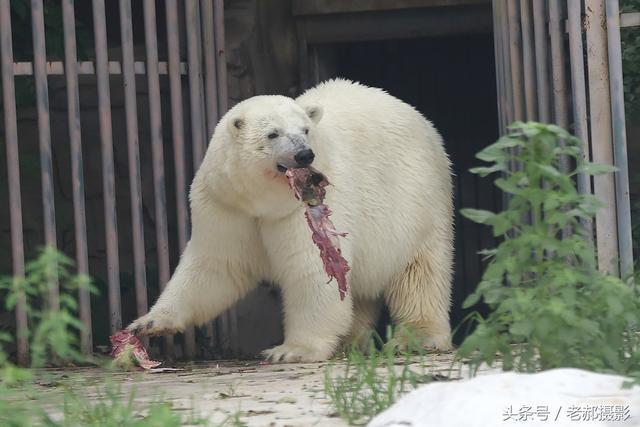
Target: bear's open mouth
281,168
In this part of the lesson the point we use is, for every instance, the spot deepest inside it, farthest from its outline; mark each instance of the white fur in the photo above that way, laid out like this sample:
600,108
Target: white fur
391,192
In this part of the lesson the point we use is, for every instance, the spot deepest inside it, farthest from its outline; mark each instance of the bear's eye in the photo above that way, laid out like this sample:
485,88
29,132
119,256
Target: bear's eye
272,135
306,131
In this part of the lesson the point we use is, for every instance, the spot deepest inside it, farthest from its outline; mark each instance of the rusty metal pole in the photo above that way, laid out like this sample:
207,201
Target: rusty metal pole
540,33
579,95
77,174
133,152
528,60
108,173
157,150
44,140
177,128
497,51
601,138
623,204
13,169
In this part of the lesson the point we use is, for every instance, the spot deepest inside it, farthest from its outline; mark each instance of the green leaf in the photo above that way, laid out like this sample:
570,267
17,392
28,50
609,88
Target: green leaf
549,170
484,171
595,168
477,215
471,300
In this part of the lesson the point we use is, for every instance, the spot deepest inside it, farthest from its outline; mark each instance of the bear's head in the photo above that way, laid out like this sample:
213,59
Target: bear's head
256,142
274,131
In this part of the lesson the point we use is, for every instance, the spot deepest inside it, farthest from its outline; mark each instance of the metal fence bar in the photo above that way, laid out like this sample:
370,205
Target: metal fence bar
229,321
13,170
578,90
177,128
558,71
155,113
542,68
623,204
497,51
506,63
44,140
601,138
210,73
88,68
108,174
528,60
515,59
77,174
133,154
221,63
195,82
631,19
211,100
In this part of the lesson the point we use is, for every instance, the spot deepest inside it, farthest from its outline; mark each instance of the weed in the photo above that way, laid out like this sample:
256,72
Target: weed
54,338
371,382
550,306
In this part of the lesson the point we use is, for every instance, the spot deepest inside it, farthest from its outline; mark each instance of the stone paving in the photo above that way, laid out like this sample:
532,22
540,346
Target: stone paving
266,395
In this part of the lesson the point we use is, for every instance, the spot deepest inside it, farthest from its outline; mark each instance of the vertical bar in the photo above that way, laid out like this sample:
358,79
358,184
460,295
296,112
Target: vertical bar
77,174
211,99
210,53
601,138
221,62
108,174
133,151
506,63
195,82
558,72
177,128
558,78
515,59
44,139
160,198
578,89
528,60
13,170
229,321
497,51
623,204
542,68
192,17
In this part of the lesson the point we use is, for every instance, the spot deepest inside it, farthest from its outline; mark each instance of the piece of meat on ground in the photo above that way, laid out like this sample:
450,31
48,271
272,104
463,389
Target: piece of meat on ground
127,351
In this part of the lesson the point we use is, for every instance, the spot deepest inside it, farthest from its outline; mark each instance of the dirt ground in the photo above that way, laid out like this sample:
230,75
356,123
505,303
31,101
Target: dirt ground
266,395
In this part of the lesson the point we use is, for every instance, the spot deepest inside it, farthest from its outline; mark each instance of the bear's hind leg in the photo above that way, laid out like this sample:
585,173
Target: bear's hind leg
420,297
365,315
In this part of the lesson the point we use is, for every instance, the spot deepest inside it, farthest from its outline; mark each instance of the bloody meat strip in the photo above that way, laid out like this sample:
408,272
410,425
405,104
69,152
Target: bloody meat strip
126,345
308,186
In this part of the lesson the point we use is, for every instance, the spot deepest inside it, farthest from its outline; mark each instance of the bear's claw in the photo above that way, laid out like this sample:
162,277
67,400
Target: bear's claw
160,324
291,353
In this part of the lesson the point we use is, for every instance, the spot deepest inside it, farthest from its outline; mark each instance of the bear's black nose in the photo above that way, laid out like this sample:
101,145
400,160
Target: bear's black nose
304,157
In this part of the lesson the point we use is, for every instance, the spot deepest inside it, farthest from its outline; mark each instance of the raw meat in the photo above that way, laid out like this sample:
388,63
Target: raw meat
128,351
308,185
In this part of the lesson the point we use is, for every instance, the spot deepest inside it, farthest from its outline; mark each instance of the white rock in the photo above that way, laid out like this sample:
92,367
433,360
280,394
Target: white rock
559,397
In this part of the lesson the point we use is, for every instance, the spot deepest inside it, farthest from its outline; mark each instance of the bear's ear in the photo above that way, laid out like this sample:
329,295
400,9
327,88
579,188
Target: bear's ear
235,125
314,113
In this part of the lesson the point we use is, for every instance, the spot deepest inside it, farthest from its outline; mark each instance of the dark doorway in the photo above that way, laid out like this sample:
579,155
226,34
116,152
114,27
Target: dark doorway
451,80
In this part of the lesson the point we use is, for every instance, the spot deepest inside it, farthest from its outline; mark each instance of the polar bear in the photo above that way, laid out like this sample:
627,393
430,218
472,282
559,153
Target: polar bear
391,192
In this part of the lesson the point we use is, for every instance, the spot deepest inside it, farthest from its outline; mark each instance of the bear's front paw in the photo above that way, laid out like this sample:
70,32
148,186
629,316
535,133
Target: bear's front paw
291,353
155,323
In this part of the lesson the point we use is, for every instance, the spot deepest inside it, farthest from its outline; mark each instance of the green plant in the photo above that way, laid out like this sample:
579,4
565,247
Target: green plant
54,337
54,330
370,382
550,307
